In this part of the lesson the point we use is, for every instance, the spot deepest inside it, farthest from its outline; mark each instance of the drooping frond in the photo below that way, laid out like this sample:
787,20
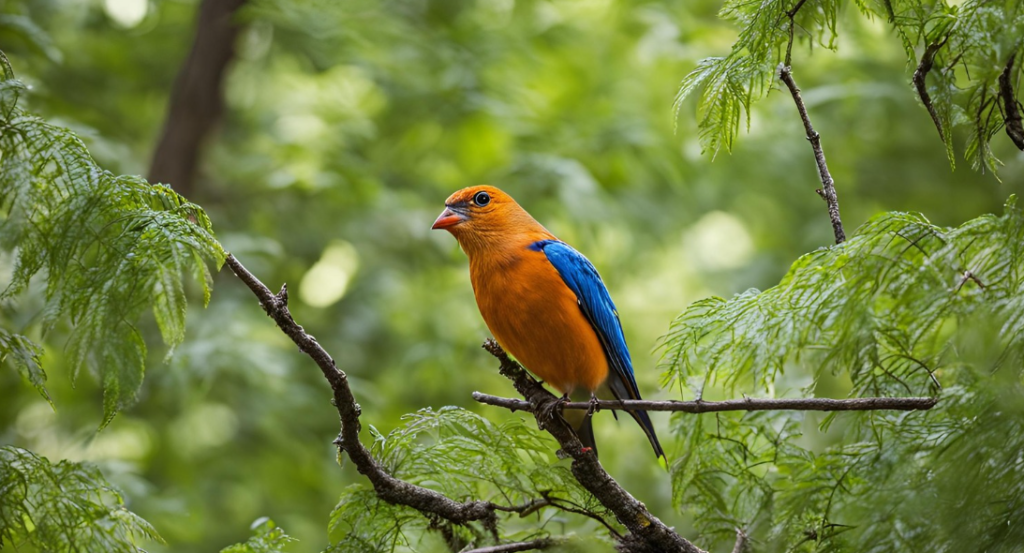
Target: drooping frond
109,247
64,507
24,354
729,85
959,53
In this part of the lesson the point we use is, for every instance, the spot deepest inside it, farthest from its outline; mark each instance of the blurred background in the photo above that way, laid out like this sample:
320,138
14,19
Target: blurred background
346,125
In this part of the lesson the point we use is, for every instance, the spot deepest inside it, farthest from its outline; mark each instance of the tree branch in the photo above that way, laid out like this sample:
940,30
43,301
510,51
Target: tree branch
827,190
1011,111
925,65
745,404
647,534
742,542
534,545
196,101
388,488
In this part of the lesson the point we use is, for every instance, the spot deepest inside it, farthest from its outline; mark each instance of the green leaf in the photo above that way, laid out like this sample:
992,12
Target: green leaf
110,248
25,356
267,538
64,507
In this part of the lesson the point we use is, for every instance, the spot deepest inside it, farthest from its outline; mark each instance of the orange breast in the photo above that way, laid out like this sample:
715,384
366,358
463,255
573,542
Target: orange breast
535,317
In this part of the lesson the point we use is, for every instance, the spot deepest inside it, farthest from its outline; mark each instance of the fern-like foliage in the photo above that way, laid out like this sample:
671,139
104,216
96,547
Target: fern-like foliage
883,307
901,308
466,457
109,247
968,46
267,538
730,84
63,507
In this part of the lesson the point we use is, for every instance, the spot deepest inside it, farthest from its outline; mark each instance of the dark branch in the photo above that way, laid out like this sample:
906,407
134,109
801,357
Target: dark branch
388,488
1011,108
828,191
791,14
927,61
534,545
646,532
745,404
196,101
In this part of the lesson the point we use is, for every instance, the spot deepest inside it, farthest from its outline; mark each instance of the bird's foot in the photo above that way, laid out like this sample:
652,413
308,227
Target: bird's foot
553,408
595,406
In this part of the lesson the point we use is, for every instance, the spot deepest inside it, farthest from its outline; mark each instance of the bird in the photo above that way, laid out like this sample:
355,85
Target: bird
545,304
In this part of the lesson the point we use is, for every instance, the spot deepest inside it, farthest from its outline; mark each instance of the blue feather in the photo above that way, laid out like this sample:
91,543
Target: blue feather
582,278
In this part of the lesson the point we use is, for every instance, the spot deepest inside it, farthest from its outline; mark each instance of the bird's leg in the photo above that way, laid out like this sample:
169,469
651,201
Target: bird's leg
595,405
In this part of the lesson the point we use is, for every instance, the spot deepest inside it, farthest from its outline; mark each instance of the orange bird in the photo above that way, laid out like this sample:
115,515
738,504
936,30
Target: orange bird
544,302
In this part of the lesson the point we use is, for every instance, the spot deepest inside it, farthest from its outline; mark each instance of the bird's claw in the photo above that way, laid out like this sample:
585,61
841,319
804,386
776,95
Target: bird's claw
553,408
595,406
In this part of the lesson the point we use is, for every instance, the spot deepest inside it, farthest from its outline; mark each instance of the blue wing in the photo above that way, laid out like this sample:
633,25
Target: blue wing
581,277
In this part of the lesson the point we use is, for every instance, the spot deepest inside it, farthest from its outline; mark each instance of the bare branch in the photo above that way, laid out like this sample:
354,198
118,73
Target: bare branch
742,542
745,404
388,488
646,532
534,545
828,190
925,65
1011,108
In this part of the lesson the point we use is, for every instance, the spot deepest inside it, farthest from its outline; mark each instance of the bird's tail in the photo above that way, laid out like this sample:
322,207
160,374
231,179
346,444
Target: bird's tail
645,422
586,434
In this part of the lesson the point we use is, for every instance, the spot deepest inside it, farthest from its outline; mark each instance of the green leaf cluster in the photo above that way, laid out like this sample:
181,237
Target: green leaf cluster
963,49
730,84
267,538
109,248
64,507
465,457
899,309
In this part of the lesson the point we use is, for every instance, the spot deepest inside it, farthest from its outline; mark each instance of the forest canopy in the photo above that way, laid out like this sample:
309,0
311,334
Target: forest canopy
147,402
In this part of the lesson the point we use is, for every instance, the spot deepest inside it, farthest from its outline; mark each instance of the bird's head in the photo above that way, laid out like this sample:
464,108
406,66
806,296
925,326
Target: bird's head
478,215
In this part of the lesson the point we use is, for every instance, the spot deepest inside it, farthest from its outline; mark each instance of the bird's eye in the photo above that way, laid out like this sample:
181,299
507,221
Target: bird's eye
482,198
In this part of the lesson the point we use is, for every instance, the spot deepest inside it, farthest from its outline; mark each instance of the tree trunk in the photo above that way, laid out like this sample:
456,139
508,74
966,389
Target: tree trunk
197,101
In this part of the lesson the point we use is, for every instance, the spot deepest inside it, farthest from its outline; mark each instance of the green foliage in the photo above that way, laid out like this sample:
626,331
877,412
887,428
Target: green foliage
899,308
969,45
66,507
25,355
972,44
110,247
884,307
729,85
464,456
267,538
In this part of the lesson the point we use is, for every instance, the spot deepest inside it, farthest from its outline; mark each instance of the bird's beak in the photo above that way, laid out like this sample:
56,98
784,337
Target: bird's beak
449,218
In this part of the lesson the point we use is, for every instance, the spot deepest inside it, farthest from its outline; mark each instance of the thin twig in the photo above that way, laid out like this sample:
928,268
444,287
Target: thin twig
925,65
828,190
534,545
574,508
646,532
1011,111
792,15
745,404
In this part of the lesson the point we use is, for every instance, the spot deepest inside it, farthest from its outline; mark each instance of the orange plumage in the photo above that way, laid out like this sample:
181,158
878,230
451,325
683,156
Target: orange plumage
523,280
